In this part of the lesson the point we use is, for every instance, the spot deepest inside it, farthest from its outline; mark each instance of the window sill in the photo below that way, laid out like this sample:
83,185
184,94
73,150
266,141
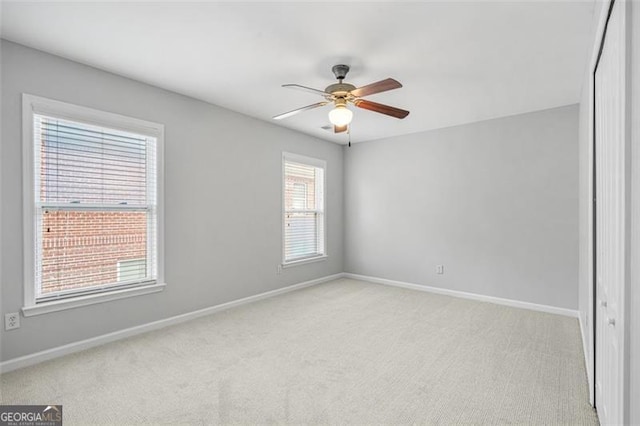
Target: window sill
91,299
304,261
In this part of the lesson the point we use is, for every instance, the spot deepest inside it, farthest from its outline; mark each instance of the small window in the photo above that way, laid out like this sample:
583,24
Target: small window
93,186
304,218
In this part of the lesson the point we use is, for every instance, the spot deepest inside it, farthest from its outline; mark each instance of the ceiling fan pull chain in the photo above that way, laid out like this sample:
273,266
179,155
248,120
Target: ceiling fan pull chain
349,133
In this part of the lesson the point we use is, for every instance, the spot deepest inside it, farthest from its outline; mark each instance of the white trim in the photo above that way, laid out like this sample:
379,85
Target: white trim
38,105
304,261
303,159
160,205
634,288
90,299
586,357
45,106
28,203
32,359
464,295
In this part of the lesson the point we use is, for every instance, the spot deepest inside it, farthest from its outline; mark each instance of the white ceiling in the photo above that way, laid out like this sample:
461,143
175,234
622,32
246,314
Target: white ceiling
459,62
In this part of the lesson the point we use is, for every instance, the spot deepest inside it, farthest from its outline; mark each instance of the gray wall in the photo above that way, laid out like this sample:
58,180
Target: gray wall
496,202
223,200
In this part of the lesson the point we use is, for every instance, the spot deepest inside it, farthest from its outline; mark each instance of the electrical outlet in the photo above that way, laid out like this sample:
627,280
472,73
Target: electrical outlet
11,321
439,269
279,270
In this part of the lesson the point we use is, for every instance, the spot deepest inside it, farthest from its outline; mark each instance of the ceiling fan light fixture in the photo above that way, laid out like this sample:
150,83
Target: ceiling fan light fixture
340,115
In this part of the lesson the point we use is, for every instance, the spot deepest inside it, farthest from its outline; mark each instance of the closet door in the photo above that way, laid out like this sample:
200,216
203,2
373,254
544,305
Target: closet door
610,143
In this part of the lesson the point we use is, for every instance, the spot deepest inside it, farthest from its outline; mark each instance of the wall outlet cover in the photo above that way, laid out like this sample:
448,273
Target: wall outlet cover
12,321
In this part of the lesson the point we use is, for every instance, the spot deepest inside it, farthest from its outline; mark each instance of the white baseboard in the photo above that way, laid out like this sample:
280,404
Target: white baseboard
464,295
27,360
586,359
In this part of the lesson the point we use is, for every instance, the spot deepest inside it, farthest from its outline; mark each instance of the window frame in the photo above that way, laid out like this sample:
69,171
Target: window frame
32,105
314,162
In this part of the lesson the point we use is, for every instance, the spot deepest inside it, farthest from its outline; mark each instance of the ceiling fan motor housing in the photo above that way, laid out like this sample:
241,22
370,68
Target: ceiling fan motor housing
340,90
340,71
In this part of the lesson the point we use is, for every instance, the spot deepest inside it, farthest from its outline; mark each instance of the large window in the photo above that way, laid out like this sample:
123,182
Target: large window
304,219
92,199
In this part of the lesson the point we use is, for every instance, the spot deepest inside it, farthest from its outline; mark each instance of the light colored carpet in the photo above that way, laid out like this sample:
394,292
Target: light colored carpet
345,352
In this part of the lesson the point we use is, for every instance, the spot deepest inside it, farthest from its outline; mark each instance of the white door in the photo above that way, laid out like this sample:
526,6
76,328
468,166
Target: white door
610,142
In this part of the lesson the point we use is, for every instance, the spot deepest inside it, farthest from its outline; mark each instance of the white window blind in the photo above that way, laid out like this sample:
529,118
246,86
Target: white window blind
303,208
95,207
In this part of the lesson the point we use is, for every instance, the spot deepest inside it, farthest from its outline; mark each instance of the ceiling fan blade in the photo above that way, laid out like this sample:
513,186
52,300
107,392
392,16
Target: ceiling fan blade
382,109
377,87
296,111
340,129
307,89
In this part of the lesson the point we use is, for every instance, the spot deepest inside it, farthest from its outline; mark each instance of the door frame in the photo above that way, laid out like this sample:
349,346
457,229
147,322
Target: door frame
594,240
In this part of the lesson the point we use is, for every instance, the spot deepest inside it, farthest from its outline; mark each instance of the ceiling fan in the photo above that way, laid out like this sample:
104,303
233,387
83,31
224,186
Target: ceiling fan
342,94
